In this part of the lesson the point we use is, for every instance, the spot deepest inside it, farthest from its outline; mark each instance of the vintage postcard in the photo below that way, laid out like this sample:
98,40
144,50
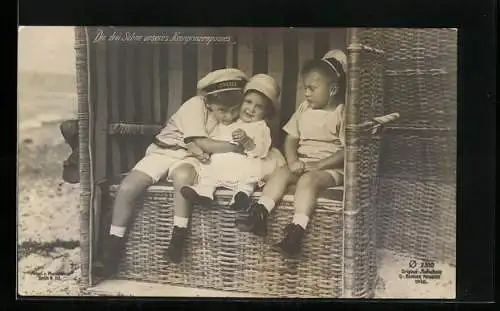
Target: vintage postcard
237,162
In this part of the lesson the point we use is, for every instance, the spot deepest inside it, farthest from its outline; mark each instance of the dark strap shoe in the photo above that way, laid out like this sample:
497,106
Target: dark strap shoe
290,246
177,243
191,195
241,202
255,221
112,252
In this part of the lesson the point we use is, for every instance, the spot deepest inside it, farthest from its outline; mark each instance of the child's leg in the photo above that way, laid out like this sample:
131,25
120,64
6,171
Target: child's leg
308,187
206,187
276,187
130,189
182,175
246,188
146,172
201,193
256,220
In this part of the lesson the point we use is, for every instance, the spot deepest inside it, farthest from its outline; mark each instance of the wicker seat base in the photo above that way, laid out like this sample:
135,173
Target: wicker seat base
221,257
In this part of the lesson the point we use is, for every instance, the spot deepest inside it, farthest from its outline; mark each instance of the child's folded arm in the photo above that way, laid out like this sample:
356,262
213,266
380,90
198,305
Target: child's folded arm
214,146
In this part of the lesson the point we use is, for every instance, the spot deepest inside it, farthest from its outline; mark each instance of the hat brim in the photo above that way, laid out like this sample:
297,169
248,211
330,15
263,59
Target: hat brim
223,90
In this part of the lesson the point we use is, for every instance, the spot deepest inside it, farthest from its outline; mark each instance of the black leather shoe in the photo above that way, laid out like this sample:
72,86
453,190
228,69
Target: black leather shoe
191,195
177,243
255,221
241,202
112,252
290,246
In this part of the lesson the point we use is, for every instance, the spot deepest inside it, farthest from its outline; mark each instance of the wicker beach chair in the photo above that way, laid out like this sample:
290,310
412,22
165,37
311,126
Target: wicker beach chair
126,91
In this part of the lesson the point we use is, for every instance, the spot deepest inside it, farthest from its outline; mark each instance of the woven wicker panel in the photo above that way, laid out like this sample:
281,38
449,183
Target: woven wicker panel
419,218
421,72
361,222
423,154
372,37
365,101
366,93
418,158
219,256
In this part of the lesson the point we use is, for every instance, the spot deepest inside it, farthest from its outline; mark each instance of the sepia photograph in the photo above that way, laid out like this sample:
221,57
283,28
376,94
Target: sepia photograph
237,162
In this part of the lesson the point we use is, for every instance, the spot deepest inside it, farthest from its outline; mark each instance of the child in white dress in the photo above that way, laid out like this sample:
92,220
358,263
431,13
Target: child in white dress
240,172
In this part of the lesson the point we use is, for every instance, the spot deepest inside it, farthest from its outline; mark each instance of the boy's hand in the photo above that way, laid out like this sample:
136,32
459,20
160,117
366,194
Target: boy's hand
194,149
311,166
198,153
296,167
239,136
203,158
238,148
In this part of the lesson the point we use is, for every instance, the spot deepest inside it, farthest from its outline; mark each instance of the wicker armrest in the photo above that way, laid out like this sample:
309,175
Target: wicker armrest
376,124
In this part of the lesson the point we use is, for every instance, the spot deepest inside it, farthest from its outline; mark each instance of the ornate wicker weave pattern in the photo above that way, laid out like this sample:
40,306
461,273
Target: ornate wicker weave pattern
365,91
421,72
424,227
420,155
83,124
417,206
221,257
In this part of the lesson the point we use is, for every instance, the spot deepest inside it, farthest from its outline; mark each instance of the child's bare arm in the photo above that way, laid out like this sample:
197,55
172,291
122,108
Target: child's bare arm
334,161
216,146
292,159
290,149
256,146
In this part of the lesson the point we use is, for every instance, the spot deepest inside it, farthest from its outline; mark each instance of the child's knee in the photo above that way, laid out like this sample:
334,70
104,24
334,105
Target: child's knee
183,175
308,181
134,183
282,173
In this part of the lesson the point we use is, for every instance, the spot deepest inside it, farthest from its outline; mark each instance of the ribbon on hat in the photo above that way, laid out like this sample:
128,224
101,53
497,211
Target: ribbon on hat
335,65
225,85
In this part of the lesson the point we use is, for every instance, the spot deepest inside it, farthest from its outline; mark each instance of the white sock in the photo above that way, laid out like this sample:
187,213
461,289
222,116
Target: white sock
181,222
301,220
267,202
117,231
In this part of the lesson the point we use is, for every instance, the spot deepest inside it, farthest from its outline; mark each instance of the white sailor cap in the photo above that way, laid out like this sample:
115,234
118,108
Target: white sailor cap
222,80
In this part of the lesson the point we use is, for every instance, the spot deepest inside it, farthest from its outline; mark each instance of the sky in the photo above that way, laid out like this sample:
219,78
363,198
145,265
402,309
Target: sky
46,49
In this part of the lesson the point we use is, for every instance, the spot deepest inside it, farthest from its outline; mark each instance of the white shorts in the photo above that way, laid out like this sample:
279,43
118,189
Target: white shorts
337,173
159,162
